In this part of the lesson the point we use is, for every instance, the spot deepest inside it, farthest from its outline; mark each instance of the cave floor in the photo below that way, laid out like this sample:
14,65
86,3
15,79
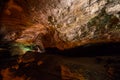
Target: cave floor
44,66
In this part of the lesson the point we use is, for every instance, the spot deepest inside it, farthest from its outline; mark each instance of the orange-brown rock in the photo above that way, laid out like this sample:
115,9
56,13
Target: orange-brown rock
59,23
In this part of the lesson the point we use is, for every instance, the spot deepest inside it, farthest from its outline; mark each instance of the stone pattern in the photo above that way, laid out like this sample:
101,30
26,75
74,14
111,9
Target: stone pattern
60,23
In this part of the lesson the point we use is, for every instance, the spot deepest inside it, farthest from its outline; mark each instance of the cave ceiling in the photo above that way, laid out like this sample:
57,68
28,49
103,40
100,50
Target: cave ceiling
59,23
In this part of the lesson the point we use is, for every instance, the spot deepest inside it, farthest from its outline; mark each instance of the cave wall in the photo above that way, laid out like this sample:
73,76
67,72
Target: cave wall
59,23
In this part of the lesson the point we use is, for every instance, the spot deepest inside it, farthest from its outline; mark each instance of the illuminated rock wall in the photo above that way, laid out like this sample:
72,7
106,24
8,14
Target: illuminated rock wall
60,23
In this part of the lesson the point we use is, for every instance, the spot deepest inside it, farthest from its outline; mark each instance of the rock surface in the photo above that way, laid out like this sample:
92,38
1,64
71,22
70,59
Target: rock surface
54,67
60,23
31,26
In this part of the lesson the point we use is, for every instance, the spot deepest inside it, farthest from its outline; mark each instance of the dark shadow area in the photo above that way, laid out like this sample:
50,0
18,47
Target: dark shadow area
47,66
90,50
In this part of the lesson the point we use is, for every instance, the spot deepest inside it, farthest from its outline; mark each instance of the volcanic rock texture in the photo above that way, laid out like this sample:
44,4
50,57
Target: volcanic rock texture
59,23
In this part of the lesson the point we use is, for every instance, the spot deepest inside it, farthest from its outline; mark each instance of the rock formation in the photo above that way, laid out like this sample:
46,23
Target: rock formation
31,27
59,23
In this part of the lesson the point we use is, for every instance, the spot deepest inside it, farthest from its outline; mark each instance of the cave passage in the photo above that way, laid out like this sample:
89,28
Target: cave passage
89,50
55,64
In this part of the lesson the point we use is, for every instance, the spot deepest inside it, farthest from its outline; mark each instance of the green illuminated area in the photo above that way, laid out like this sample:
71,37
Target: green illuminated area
20,49
25,49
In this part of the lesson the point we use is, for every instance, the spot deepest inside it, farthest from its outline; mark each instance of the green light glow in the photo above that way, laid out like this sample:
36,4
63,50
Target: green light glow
24,48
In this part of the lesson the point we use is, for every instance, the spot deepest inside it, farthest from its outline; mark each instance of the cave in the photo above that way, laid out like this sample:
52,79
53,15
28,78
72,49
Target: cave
59,39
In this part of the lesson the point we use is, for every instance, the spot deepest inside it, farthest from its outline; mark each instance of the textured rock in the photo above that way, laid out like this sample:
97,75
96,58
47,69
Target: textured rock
54,67
60,23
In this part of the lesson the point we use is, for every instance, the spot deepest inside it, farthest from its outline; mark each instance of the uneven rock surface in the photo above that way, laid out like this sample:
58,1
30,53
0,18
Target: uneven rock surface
60,23
90,62
42,31
35,66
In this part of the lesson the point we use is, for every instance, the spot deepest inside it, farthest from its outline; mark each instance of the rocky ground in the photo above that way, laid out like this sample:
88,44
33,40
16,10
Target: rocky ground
59,65
59,39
